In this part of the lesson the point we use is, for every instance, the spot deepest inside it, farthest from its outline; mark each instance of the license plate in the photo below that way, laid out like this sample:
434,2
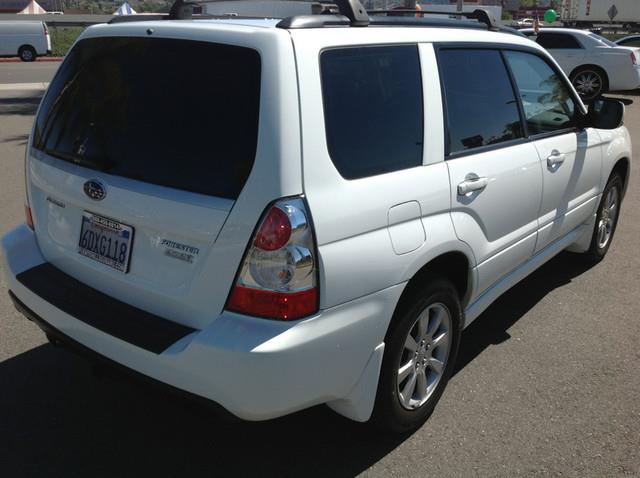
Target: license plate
106,241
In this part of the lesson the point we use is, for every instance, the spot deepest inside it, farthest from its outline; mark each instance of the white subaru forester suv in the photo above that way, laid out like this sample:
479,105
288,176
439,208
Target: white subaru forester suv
275,214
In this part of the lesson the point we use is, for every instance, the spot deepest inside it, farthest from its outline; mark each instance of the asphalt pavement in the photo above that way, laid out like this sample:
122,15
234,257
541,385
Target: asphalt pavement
34,72
547,384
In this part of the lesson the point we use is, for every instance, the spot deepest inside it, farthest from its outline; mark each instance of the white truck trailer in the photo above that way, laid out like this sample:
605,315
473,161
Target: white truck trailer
587,13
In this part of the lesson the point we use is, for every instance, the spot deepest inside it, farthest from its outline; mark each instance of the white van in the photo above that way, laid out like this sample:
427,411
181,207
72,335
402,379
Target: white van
28,40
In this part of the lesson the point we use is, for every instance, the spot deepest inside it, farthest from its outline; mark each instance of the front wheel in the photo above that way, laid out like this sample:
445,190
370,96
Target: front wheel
606,219
422,346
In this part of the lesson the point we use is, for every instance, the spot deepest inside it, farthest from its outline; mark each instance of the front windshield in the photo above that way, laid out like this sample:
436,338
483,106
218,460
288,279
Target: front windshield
602,39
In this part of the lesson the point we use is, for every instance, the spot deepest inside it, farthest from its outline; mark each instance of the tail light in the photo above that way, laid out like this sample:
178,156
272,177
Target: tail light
634,58
278,276
28,216
46,30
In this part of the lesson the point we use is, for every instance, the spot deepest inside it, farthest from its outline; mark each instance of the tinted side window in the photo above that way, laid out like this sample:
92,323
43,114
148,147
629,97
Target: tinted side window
630,42
557,41
372,109
481,106
546,100
177,113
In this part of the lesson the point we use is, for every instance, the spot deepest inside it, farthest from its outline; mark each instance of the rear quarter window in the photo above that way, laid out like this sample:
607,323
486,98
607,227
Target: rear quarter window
176,113
373,109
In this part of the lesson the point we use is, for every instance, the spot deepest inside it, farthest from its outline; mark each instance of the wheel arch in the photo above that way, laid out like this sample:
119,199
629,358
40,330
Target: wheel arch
622,167
454,266
26,45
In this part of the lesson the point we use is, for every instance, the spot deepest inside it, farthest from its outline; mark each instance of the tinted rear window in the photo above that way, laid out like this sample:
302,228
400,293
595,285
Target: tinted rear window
373,109
176,113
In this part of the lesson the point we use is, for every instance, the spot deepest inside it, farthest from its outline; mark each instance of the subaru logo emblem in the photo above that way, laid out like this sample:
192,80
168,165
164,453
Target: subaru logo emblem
95,190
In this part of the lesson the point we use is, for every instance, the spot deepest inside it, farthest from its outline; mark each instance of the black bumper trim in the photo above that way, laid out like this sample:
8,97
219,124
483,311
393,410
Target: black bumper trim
59,338
100,311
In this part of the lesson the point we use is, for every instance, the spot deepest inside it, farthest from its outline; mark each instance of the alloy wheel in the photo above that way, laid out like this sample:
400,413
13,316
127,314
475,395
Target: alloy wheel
607,218
424,357
588,83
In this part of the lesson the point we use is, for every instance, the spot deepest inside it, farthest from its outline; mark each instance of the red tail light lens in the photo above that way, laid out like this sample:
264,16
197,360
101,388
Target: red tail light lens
274,232
46,30
634,58
277,278
28,217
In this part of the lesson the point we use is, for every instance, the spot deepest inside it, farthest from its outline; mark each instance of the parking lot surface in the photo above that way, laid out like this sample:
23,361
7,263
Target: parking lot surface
12,73
547,384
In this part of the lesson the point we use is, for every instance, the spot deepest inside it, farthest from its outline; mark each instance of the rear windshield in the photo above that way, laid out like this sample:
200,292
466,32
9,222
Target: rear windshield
177,113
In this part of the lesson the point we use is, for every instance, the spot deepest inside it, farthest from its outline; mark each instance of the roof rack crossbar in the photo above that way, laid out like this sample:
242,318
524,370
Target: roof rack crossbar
180,10
478,14
354,11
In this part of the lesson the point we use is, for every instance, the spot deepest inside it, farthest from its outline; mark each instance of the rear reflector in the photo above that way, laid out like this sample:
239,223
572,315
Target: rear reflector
28,217
274,305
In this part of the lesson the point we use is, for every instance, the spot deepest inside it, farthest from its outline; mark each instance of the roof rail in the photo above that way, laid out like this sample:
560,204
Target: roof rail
137,18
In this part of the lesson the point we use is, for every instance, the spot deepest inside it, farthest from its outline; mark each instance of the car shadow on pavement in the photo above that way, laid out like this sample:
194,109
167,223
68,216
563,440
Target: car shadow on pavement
492,326
20,139
58,420
635,92
21,105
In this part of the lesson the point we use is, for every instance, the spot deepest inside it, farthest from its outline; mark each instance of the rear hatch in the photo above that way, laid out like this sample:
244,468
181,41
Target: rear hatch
139,152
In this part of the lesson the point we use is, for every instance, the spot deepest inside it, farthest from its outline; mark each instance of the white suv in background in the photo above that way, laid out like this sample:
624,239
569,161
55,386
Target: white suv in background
594,64
311,215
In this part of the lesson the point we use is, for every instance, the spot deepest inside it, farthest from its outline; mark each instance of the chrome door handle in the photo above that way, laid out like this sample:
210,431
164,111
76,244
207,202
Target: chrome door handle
555,158
472,184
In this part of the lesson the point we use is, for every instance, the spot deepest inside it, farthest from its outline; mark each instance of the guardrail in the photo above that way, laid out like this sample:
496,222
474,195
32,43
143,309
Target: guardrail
59,20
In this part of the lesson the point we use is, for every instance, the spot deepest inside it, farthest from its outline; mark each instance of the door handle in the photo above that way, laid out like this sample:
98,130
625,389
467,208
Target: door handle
471,184
555,158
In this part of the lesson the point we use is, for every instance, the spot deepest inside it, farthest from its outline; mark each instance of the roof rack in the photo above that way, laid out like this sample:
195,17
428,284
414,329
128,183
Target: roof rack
352,13
342,13
180,10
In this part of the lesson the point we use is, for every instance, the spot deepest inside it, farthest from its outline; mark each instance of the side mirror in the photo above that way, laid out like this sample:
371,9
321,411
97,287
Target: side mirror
605,113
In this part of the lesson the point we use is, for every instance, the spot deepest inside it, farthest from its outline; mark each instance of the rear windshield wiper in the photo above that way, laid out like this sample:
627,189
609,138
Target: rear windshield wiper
102,164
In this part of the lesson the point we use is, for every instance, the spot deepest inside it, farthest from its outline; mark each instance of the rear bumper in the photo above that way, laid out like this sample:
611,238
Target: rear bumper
625,79
256,369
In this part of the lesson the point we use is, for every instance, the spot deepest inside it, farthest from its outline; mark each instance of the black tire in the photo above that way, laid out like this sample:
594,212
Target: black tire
27,53
598,249
389,412
590,82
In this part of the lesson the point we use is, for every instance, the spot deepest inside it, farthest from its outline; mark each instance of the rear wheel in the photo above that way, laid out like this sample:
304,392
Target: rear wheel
421,349
589,82
27,53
